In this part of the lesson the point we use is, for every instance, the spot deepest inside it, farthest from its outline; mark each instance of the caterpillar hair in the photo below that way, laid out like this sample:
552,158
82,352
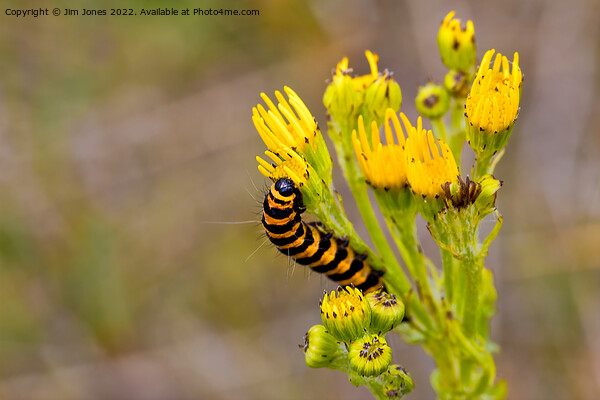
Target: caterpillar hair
308,244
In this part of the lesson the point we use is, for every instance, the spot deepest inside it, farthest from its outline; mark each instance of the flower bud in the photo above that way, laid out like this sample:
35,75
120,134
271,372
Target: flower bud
432,101
320,348
397,382
346,314
340,98
382,94
486,201
370,355
345,94
457,83
457,45
387,311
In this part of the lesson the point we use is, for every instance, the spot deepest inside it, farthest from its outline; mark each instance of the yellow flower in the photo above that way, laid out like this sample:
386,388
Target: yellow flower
384,166
429,162
457,45
346,314
288,164
289,127
284,125
493,104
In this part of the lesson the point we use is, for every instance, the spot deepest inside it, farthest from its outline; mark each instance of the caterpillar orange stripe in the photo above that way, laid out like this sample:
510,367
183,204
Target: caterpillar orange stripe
309,245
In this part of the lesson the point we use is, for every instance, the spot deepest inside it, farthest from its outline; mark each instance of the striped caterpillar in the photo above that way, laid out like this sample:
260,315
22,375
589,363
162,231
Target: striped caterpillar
309,245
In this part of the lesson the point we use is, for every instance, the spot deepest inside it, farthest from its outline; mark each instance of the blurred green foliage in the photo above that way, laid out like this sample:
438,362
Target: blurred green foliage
71,267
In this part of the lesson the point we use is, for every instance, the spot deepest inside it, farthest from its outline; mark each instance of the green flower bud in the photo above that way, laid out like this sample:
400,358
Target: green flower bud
341,99
370,355
397,382
346,314
457,83
345,94
387,311
457,45
382,94
432,101
320,348
486,202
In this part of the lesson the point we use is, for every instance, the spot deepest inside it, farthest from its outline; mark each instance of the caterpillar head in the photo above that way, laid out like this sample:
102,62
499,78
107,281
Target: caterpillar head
285,186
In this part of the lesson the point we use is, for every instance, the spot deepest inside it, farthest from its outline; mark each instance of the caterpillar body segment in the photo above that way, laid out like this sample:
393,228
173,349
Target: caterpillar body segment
309,244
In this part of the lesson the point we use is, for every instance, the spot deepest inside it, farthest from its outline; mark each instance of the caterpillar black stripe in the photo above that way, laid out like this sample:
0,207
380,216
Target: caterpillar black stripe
309,245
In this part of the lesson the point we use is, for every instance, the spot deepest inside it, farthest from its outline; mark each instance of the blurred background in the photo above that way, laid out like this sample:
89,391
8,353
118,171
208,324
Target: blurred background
132,261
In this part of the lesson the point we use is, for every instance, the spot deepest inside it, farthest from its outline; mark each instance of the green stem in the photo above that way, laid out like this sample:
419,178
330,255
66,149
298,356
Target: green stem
448,267
483,164
393,269
446,362
404,232
456,138
473,266
334,218
439,128
457,113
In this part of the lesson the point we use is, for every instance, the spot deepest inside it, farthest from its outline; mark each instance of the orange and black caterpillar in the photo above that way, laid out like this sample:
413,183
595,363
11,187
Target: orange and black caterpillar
309,245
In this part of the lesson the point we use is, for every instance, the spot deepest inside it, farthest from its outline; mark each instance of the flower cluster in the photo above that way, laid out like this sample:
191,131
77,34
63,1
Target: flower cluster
359,322
408,169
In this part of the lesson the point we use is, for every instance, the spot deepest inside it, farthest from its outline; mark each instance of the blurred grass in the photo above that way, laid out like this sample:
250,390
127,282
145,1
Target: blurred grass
120,138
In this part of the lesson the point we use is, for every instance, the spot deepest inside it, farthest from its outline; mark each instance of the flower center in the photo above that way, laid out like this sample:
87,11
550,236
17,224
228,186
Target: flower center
372,349
292,165
343,305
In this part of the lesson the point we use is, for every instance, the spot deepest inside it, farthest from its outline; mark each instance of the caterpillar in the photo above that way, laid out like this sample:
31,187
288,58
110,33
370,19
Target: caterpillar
308,244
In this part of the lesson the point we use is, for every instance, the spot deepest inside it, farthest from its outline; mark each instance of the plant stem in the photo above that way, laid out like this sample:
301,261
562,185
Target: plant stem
448,267
393,268
404,232
439,128
456,138
472,266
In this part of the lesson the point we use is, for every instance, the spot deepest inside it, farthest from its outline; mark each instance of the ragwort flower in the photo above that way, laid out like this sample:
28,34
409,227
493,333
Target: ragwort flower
384,166
492,106
429,162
